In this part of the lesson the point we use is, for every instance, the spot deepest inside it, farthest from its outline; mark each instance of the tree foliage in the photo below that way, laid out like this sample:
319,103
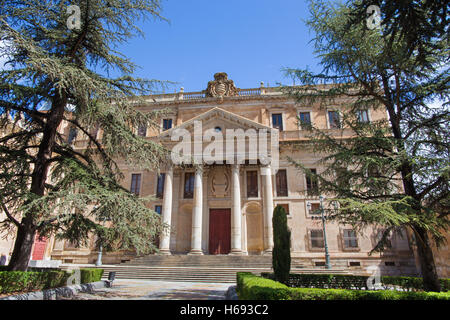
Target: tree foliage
393,172
55,75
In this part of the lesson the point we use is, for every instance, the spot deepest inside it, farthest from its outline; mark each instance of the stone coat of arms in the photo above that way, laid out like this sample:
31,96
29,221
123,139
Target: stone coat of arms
221,86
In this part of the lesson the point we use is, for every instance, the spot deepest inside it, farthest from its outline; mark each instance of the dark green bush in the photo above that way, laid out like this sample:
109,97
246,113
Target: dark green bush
19,281
252,287
330,281
89,275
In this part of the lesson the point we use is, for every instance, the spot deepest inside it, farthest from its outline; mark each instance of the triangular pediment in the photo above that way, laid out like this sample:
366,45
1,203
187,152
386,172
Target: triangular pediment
218,118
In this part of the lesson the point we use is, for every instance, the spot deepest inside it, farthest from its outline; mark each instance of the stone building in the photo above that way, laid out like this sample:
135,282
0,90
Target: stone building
218,208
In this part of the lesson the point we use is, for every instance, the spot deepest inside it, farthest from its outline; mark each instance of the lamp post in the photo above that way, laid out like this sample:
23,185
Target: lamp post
322,213
327,255
98,263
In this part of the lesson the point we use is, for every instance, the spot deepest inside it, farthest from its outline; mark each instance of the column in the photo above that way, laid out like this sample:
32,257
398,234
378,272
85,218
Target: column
236,216
197,213
268,208
164,245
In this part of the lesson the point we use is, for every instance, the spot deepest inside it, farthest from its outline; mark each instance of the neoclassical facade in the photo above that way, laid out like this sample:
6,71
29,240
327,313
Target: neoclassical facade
220,207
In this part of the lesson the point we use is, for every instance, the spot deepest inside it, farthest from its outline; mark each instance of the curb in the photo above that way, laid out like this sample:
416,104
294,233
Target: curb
56,293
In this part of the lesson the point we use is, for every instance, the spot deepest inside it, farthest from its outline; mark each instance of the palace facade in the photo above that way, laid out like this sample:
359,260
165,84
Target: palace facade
220,208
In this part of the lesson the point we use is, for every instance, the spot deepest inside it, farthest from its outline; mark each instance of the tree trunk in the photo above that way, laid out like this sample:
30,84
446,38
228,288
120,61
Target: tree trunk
28,226
22,247
424,250
429,274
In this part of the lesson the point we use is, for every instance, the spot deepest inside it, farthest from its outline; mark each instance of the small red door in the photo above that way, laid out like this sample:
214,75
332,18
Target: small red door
39,248
219,231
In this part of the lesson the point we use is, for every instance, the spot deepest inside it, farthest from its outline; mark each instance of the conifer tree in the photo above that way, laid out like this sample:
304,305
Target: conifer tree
59,62
281,254
394,172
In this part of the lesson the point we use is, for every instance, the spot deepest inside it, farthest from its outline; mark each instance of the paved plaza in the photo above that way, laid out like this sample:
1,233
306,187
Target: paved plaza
157,290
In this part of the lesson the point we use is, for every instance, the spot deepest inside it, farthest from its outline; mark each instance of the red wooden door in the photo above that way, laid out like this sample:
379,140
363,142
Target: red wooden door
39,248
219,231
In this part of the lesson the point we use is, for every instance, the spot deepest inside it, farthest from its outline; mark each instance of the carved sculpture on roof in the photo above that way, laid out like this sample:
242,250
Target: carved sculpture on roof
221,86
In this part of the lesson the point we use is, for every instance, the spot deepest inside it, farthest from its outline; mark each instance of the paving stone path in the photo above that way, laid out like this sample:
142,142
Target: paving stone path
157,290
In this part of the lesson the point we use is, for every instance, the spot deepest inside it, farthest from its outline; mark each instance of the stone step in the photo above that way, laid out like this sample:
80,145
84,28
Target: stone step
191,274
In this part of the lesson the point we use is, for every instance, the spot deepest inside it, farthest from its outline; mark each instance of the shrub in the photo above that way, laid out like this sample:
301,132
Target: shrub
89,275
17,281
330,281
252,287
281,255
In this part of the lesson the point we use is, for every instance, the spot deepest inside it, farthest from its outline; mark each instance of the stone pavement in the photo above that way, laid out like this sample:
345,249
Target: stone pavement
157,290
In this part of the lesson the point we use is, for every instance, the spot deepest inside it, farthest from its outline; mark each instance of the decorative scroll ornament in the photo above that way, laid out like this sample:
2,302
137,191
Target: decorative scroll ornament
221,86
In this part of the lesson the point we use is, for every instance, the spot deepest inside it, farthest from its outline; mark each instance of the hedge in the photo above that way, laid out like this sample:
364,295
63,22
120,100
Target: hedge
23,281
331,281
19,281
252,287
89,275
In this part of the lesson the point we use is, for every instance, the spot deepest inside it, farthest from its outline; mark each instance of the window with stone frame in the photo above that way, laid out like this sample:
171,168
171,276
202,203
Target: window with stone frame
135,183
167,124
316,238
315,209
334,120
142,130
277,121
305,120
312,184
252,184
281,183
158,209
285,207
362,116
189,179
160,185
73,132
350,239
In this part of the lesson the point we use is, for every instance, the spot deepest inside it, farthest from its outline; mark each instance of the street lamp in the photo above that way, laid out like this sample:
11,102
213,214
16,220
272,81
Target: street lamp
98,263
322,212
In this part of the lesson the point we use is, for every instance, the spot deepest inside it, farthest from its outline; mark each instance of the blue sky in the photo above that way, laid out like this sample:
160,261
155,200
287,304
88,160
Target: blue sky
250,40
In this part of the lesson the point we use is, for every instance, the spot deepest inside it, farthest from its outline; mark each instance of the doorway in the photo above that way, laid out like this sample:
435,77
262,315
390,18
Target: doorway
219,231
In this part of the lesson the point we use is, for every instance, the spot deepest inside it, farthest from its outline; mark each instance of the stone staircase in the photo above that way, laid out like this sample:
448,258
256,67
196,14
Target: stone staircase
206,268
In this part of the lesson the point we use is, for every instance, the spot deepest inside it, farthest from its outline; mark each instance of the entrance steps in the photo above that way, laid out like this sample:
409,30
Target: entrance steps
206,268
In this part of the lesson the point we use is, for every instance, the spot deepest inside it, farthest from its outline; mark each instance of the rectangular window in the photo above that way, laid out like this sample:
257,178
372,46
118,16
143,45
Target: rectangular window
334,120
362,116
285,207
73,132
315,209
160,185
135,183
189,179
158,209
305,120
252,184
281,180
350,239
312,186
167,124
317,239
142,131
277,121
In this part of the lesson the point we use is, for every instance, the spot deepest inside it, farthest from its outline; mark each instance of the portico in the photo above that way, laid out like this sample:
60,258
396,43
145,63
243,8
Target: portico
214,192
